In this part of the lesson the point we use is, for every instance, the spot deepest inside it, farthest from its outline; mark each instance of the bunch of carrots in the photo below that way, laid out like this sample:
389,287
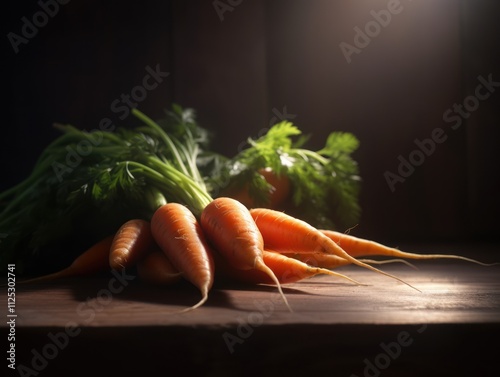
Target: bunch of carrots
256,246
191,235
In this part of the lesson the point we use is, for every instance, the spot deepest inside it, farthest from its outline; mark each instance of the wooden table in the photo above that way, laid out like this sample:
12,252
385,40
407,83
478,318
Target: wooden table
117,325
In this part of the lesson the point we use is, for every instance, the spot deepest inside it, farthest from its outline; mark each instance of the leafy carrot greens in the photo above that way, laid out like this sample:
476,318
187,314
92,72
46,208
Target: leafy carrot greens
325,183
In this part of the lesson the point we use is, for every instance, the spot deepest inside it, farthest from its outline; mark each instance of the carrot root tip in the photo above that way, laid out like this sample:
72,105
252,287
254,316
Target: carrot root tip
260,265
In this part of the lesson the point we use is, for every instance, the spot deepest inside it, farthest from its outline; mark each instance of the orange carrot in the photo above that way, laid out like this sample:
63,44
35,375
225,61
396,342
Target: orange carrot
179,235
287,270
229,226
130,244
156,269
90,262
284,233
357,247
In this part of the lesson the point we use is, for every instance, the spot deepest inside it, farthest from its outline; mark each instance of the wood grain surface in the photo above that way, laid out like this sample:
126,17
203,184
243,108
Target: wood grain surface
106,324
455,292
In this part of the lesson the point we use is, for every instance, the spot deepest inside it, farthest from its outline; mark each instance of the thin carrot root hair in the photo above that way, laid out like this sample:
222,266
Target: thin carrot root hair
282,232
229,226
260,265
331,261
325,271
204,298
357,247
388,261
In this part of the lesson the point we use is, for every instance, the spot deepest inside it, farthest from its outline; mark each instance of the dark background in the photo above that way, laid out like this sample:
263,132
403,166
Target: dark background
241,68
